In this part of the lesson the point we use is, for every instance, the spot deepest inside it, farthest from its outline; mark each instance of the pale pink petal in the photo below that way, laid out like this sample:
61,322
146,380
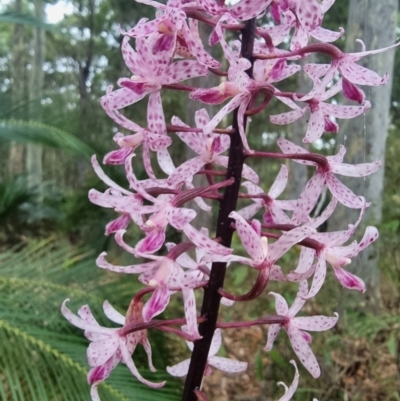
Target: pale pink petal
245,10
195,45
288,117
277,215
227,259
113,314
344,112
94,393
189,302
132,269
281,305
156,304
309,196
165,162
343,194
287,240
299,38
315,323
226,301
86,314
280,182
316,125
355,170
182,70
289,147
147,348
319,276
179,217
82,324
371,234
279,32
240,120
186,170
249,238
147,161
326,5
325,214
273,331
359,75
155,114
326,35
348,280
304,267
303,351
201,118
157,141
126,357
103,177
202,241
249,211
319,87
186,261
227,365
309,13
315,71
101,351
289,392
276,274
299,301
180,369
143,28
215,343
232,105
192,139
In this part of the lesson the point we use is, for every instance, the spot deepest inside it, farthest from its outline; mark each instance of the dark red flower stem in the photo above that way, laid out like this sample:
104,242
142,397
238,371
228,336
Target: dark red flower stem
275,319
312,157
212,298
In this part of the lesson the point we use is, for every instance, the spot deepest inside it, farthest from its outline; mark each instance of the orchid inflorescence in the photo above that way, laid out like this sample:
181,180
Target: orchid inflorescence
168,50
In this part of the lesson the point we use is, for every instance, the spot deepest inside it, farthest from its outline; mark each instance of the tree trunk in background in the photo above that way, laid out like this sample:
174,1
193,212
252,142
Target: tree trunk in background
18,73
34,152
204,218
365,137
84,71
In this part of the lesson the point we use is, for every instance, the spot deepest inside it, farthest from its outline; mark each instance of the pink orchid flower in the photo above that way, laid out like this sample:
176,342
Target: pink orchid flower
240,88
209,148
166,276
221,363
173,32
302,32
274,213
320,111
262,255
151,72
295,327
153,138
330,249
108,346
199,266
352,73
325,176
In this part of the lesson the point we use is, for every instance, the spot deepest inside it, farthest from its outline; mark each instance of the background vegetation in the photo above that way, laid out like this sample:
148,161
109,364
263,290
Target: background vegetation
51,77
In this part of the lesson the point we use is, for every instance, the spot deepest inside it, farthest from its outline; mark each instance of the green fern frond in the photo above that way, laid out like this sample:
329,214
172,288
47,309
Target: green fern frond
26,19
42,356
45,135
